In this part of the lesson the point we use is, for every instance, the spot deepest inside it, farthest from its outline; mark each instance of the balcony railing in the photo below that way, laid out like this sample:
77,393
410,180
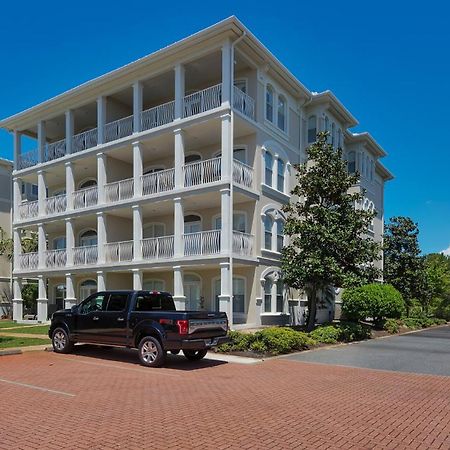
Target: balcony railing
158,248
119,129
28,159
119,190
55,258
85,140
242,243
202,101
157,116
56,204
161,181
202,243
242,173
84,198
243,103
119,251
202,172
28,210
28,261
85,255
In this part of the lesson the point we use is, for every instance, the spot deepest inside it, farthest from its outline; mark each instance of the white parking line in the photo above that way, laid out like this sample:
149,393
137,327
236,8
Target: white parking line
38,388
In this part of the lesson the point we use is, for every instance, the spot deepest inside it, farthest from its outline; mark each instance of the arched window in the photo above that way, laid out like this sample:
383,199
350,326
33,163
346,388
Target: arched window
273,291
312,129
268,160
268,223
88,183
280,235
351,162
268,295
281,113
280,175
280,296
192,158
192,224
88,238
269,103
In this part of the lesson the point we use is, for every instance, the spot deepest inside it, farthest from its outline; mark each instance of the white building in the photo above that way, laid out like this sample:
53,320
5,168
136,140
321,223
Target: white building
170,173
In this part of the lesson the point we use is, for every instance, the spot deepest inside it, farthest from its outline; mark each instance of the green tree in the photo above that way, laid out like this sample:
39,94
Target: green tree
437,271
403,266
328,240
29,243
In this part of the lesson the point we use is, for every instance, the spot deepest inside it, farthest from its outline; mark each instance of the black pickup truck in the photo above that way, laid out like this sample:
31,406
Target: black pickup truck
146,320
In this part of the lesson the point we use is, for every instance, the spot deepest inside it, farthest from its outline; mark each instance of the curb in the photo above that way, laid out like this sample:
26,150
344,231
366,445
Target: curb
20,350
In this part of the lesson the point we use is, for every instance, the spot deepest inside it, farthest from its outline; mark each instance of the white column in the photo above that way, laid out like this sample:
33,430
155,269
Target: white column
41,141
137,106
178,227
70,242
226,147
42,300
227,67
179,158
70,299
42,193
101,177
70,185
137,279
101,237
69,131
226,295
42,245
17,247
17,299
138,168
227,222
179,91
101,281
178,289
17,149
137,232
17,197
101,119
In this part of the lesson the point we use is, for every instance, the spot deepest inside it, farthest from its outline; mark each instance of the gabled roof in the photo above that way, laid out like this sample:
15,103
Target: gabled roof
367,139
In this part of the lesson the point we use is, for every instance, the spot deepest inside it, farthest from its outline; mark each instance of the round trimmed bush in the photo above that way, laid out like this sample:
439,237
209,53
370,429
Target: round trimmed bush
326,335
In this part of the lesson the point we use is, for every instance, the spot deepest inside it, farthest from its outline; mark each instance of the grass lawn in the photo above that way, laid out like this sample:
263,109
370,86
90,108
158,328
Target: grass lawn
10,342
39,329
11,323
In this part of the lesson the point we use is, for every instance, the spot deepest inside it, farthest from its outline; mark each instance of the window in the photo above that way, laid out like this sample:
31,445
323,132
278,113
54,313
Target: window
333,134
281,113
88,238
339,138
280,175
192,224
268,158
268,222
88,183
351,162
92,304
238,295
153,285
239,155
34,189
117,302
280,235
239,222
268,295
269,103
153,230
273,292
327,127
192,158
280,297
59,243
154,302
312,129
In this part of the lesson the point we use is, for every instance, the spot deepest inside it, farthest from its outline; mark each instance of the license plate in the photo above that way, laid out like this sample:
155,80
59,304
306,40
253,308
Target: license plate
212,341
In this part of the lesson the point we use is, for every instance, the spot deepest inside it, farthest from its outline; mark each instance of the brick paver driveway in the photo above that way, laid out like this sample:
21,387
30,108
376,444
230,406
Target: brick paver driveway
103,399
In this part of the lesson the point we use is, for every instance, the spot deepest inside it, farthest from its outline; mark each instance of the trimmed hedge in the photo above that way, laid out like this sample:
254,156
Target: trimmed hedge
413,323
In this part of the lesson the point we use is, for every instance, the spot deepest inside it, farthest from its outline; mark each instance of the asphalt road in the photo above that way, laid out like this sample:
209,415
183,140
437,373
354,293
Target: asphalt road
425,352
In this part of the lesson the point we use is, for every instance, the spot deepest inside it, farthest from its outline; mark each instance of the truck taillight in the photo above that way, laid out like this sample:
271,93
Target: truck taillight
183,326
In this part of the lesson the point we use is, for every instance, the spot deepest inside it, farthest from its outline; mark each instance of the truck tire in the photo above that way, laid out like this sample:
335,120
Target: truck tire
61,342
195,355
151,353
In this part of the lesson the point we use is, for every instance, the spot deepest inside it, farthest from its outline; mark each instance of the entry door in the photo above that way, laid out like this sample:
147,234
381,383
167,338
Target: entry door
192,293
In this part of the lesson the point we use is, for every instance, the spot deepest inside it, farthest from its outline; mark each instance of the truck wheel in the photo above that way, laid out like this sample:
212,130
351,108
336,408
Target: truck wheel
61,342
195,355
151,353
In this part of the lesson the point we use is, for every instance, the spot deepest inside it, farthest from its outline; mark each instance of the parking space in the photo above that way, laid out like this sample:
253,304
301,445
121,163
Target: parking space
97,399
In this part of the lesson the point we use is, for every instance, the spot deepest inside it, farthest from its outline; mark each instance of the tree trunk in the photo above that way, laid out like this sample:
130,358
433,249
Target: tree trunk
312,308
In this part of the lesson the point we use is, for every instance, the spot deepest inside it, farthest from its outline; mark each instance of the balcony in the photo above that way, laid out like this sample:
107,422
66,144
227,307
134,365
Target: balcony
119,251
156,182
193,104
202,243
28,210
119,190
56,204
84,198
55,258
86,255
28,261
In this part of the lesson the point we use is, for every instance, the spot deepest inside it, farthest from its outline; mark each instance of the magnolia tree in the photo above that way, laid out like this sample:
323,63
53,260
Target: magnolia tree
328,242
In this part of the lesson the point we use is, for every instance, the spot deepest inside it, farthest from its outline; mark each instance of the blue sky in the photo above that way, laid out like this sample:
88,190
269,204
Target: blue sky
388,62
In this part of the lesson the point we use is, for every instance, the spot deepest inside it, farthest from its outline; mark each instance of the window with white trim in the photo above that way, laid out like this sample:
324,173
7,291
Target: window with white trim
351,162
281,120
333,134
273,293
280,175
268,225
153,230
339,138
280,235
312,129
269,103
268,162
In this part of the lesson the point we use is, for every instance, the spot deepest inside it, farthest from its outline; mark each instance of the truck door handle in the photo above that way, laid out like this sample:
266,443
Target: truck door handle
95,318
120,319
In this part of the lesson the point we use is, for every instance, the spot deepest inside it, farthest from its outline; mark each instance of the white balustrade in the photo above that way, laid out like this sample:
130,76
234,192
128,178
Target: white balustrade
161,181
243,103
118,129
84,198
202,101
157,116
202,172
85,255
28,261
28,159
202,243
85,140
55,258
56,204
119,190
242,173
28,210
55,150
119,251
157,248
242,243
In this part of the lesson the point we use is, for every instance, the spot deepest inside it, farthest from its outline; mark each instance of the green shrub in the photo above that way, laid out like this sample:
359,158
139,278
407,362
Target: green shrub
239,342
378,301
442,309
283,340
392,325
351,331
326,335
258,347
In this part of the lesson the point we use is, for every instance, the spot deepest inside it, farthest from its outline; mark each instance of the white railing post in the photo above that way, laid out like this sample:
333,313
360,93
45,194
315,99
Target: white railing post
178,227
101,177
227,67
137,232
69,131
101,237
41,141
17,149
179,158
70,241
138,89
101,119
42,193
179,91
138,168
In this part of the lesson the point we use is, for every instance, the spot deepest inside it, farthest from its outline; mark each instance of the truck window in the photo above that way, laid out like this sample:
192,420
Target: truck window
117,302
95,303
154,302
